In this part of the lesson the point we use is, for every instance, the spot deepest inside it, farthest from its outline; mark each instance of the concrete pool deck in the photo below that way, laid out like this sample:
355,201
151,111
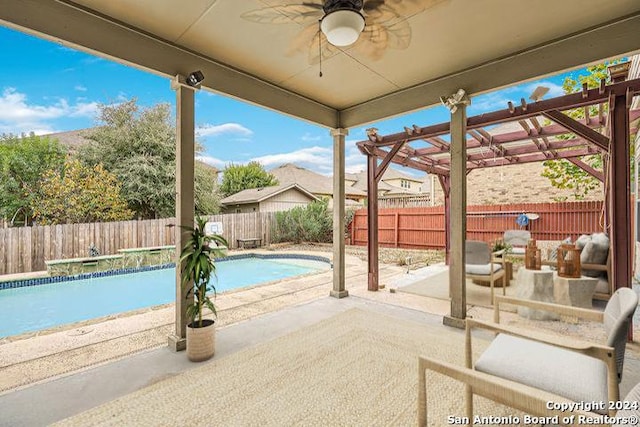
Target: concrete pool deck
66,372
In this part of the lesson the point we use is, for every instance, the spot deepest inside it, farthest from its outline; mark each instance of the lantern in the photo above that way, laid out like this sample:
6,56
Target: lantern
569,261
532,257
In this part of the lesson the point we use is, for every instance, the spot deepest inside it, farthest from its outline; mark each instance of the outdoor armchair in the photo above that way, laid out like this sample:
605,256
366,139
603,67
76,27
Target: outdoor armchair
525,369
527,399
517,240
482,264
615,318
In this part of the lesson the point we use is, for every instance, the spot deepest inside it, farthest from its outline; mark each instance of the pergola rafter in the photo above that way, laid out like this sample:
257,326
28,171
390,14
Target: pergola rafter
533,141
587,168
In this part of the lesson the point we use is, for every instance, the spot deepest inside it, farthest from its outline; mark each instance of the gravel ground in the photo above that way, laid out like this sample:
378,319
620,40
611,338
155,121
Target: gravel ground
413,258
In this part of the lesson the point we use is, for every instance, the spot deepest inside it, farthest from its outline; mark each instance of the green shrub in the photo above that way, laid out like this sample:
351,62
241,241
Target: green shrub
311,223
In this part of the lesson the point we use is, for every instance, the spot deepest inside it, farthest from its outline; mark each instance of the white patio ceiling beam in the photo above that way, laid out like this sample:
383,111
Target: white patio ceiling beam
87,31
605,41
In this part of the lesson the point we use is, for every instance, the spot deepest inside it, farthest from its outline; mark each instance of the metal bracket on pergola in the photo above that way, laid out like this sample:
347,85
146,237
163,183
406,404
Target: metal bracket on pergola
544,133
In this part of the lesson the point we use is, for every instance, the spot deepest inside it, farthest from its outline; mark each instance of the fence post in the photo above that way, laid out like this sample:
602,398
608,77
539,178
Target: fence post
396,229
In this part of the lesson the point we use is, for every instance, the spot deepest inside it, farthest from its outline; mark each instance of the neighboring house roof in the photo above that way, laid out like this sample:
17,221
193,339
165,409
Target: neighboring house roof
73,139
257,195
311,181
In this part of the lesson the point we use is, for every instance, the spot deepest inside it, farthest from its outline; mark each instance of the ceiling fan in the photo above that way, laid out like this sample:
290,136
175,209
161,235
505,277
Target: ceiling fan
369,26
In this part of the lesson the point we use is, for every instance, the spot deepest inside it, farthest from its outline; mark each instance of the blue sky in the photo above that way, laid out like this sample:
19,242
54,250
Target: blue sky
47,88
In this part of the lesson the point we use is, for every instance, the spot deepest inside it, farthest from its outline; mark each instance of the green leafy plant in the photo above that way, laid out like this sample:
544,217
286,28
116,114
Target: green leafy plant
563,174
198,268
499,245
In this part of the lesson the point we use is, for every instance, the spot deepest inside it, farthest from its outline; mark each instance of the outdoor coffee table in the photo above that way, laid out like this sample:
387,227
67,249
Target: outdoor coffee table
536,285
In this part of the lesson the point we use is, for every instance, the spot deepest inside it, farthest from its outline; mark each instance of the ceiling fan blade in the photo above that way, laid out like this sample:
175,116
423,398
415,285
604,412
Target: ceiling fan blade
372,5
312,5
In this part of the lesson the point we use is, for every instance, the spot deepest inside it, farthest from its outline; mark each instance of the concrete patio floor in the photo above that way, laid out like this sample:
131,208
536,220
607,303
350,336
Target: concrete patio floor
253,316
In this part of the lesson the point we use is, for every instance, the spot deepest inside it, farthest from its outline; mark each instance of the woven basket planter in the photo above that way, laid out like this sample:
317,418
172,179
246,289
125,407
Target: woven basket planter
201,342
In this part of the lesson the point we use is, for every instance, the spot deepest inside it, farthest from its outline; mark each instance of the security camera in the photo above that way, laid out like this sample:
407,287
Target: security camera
194,79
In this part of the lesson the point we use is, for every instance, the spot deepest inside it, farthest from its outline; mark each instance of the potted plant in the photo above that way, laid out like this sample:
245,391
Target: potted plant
198,269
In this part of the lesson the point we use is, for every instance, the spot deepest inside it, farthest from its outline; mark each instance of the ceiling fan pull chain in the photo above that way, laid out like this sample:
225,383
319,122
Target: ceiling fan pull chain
320,46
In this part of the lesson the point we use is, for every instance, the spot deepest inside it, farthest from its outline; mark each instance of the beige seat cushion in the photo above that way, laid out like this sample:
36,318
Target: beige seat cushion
574,376
482,269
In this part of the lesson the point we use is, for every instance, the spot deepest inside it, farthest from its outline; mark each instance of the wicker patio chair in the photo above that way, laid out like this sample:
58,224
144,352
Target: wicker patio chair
482,264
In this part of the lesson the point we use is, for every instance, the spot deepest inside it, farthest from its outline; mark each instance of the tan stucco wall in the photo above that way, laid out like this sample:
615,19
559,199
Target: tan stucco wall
397,182
285,201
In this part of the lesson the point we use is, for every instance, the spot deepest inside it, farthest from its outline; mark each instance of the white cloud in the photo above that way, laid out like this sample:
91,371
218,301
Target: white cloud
307,137
354,160
318,156
554,89
225,128
80,88
85,109
213,161
318,159
17,115
499,100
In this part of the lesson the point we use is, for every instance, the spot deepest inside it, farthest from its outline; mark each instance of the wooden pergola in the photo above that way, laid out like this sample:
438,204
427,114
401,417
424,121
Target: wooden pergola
547,133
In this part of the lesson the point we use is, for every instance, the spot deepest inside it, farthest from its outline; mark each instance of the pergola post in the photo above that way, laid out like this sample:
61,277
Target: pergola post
338,290
458,220
620,192
185,205
372,222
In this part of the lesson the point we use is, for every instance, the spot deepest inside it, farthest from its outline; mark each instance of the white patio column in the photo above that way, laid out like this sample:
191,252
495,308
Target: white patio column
457,104
185,205
338,290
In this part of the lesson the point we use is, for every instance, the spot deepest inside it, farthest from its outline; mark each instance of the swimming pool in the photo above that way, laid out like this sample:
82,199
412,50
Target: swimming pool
32,308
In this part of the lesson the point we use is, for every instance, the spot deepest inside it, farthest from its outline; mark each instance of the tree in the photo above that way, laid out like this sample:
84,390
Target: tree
241,177
139,147
562,173
79,194
23,161
207,190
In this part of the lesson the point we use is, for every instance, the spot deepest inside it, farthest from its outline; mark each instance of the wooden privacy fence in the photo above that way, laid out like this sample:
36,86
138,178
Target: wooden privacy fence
423,200
25,249
423,228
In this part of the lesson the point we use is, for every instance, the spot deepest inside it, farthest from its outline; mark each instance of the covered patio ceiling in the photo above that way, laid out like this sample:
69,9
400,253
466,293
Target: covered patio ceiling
266,51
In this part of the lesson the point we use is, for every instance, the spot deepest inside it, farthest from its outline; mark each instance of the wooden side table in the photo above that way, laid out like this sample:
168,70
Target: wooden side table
576,292
535,285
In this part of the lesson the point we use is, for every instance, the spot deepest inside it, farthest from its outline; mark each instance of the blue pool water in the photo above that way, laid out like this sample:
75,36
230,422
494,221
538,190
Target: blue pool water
33,308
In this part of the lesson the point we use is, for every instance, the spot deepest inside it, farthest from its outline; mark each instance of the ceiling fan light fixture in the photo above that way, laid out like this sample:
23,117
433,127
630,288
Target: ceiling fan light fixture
342,27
